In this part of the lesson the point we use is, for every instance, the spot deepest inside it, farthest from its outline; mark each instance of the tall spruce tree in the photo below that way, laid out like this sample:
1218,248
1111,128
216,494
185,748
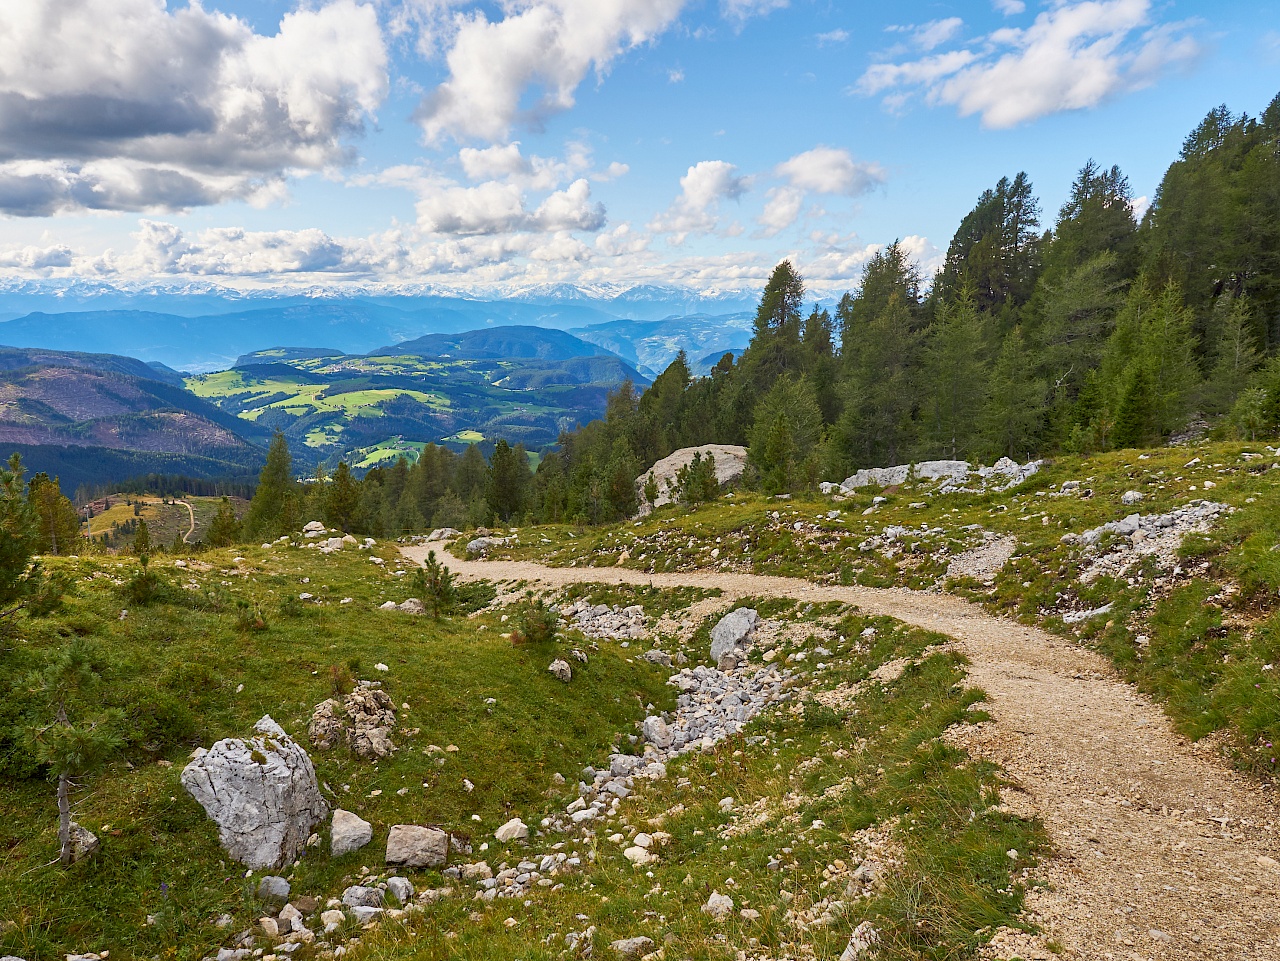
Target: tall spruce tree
272,511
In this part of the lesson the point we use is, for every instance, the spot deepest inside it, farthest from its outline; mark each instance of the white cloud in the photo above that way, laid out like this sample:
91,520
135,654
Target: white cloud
37,258
936,32
829,170
547,45
832,36
163,248
614,171
1009,8
675,75
494,207
696,210
781,210
742,10
1074,56
141,108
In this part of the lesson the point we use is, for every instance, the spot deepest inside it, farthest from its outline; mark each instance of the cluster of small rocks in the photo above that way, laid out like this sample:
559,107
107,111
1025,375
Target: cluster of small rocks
317,537
486,542
1143,535
602,621
954,475
363,720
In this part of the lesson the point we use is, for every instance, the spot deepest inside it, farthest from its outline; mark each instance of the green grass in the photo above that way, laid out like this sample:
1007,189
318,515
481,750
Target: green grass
185,675
820,776
177,675
1208,666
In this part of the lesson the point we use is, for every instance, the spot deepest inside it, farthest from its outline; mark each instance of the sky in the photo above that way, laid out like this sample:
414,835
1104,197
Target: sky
490,146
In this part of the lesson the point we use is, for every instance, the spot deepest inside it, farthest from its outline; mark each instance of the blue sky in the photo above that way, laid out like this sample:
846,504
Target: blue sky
483,146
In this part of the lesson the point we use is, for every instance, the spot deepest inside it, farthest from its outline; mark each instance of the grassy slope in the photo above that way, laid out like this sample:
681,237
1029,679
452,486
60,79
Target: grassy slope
178,674
1212,631
186,675
820,777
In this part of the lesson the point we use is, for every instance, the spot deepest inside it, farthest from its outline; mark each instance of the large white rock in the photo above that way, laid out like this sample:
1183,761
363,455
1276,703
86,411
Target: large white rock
730,462
262,793
350,832
733,632
513,830
417,847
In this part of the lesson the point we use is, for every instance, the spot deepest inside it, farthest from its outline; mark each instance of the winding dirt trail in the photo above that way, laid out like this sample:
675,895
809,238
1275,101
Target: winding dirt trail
1162,851
186,538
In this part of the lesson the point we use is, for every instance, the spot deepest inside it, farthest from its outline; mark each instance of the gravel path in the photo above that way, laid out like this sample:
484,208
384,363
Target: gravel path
1162,851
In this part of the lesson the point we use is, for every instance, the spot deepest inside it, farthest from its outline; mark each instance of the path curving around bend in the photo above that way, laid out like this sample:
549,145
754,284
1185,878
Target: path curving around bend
1162,851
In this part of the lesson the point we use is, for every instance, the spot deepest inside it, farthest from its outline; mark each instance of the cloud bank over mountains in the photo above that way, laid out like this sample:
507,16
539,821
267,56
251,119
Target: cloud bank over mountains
128,118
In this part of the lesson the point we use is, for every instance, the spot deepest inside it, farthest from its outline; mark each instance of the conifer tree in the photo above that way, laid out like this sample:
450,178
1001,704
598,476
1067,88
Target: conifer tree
1013,415
272,505
59,522
342,500
224,529
73,748
954,379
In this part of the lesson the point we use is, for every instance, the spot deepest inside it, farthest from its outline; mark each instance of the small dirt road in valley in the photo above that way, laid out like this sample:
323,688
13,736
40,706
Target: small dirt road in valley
1162,851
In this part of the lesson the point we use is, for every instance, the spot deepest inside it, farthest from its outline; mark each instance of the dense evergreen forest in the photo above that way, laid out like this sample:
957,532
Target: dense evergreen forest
1092,332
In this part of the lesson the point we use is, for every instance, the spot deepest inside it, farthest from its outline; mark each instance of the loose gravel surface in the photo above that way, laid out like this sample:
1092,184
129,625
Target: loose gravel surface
1163,852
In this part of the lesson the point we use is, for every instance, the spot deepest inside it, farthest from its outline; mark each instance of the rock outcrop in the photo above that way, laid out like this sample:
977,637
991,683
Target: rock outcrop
953,475
364,719
262,794
730,462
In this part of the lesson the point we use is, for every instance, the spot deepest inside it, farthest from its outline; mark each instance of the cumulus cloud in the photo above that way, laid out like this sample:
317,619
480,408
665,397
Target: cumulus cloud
142,108
1074,56
495,207
832,36
781,210
831,170
1009,8
543,45
37,258
164,248
937,32
696,210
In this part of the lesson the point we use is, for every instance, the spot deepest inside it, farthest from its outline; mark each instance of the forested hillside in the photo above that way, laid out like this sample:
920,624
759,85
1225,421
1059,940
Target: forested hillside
1082,331
1086,333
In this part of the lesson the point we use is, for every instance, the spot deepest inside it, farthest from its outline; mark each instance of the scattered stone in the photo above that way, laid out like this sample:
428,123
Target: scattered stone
482,545
417,847
84,843
513,830
731,635
443,534
636,947
273,888
401,889
865,938
719,906
602,621
364,719
359,896
560,670
349,832
262,793
1131,497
